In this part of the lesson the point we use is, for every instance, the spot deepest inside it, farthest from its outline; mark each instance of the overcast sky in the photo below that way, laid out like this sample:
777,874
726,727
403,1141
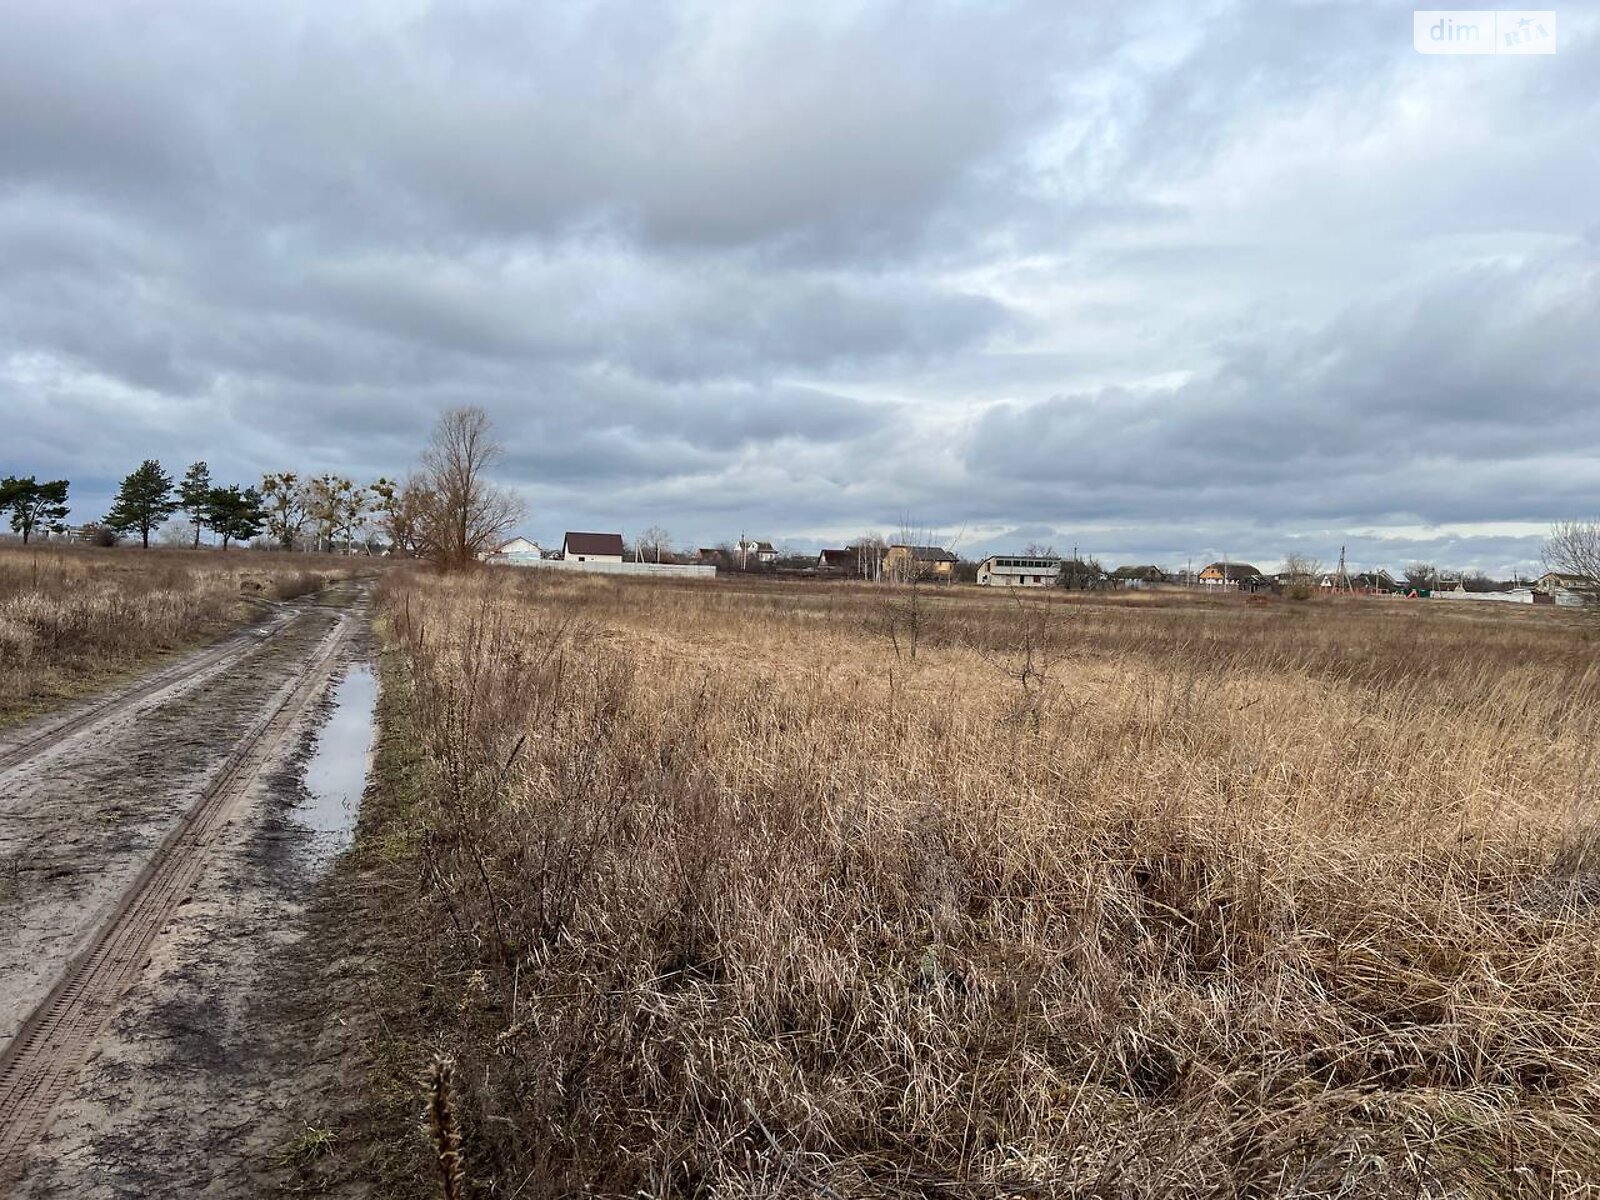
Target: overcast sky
1159,281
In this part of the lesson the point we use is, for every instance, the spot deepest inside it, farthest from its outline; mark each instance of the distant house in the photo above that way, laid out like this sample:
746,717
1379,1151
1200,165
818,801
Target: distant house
1137,577
837,562
1078,575
750,551
908,564
517,547
1238,575
592,547
1232,575
1019,570
1553,583
1378,582
710,556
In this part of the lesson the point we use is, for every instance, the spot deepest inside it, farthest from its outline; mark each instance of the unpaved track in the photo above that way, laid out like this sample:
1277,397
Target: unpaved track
238,709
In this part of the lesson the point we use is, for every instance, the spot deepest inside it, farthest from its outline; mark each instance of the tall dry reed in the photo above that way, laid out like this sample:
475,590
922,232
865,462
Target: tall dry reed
71,616
721,896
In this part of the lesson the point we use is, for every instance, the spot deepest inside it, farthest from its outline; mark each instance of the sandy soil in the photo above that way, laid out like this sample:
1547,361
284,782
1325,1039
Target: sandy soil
188,1090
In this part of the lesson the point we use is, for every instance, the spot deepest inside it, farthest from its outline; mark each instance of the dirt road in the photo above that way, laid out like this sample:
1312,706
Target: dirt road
150,864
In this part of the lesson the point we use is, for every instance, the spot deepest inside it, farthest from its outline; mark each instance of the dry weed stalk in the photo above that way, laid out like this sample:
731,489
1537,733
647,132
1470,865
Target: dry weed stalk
443,1130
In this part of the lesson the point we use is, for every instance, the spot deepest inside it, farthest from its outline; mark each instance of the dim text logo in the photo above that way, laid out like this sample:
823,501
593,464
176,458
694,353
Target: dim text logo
1479,31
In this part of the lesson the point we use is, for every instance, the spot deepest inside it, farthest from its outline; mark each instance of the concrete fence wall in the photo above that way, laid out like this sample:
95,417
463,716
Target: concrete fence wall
1518,596
680,570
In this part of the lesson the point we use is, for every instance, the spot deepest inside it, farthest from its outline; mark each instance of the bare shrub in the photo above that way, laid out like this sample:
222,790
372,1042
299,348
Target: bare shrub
298,583
1304,576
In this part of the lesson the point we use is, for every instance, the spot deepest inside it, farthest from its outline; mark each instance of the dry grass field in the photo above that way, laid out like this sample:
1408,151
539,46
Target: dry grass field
73,616
724,893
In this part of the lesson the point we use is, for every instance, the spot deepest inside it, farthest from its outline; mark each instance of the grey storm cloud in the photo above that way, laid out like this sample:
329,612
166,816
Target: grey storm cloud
1157,277
1450,404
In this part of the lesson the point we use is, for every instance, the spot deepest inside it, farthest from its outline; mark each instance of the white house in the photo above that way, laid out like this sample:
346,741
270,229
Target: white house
1020,570
592,547
516,548
750,550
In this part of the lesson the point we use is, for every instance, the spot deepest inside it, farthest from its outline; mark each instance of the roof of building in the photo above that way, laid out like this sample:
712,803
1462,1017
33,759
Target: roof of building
1148,571
1234,570
517,543
593,543
836,556
927,553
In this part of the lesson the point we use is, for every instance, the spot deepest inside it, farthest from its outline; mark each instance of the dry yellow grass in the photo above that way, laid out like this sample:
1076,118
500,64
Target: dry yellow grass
724,895
71,617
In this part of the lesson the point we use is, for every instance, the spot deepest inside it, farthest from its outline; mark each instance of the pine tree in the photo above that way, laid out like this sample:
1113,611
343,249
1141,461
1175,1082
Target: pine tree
143,502
193,495
235,515
33,505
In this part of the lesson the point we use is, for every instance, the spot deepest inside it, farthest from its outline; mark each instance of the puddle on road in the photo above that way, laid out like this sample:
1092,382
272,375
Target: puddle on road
337,772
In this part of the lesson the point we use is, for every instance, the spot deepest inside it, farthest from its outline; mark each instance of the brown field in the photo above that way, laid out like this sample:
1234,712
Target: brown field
724,894
71,617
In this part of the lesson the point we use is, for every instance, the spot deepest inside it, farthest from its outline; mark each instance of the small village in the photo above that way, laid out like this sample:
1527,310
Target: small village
876,561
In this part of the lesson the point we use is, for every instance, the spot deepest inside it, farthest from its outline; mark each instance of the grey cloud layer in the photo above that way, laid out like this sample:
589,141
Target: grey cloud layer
1451,405
1253,267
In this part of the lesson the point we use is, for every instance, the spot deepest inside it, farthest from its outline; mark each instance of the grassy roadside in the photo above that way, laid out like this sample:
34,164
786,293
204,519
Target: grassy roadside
77,620
61,688
365,1034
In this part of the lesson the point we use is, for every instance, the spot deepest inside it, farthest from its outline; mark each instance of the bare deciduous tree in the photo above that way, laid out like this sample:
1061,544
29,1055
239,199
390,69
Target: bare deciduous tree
1573,548
653,545
1302,567
869,549
1081,574
337,504
400,509
285,504
1304,575
1422,574
466,515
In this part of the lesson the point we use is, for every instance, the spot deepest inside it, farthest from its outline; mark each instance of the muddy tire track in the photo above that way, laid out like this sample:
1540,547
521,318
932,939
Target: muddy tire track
42,1062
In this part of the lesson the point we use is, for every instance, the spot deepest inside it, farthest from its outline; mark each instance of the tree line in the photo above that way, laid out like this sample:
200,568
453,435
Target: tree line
447,509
